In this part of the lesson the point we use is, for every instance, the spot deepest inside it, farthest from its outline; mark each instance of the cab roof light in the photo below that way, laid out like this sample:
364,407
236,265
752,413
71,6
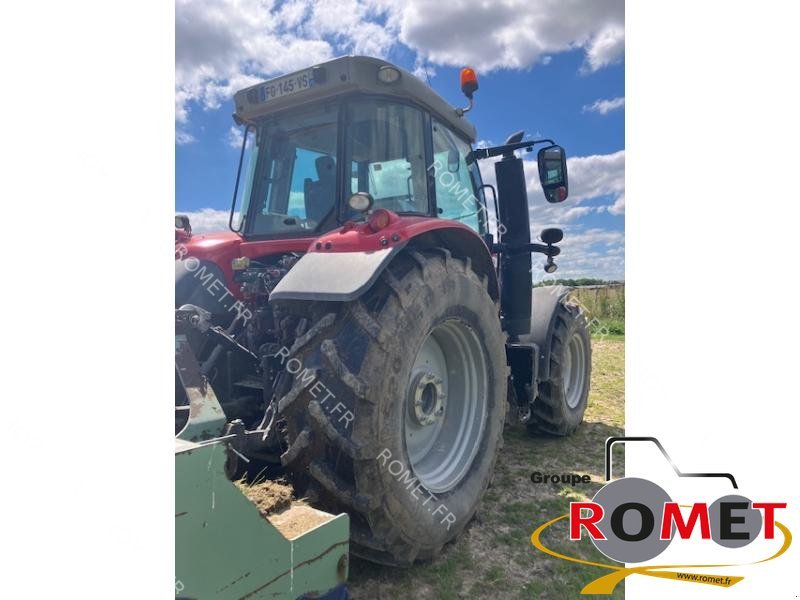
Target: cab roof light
388,74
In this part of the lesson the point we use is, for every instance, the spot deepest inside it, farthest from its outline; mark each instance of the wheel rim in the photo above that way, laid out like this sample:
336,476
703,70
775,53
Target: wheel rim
446,405
574,371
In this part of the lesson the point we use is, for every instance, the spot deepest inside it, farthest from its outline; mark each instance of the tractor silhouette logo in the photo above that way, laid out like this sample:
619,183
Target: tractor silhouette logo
632,520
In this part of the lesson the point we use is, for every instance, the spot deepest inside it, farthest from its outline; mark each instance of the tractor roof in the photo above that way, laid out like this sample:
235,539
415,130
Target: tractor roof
337,77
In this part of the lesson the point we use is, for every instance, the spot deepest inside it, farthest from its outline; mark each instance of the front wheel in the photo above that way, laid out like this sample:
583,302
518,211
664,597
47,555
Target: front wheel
563,397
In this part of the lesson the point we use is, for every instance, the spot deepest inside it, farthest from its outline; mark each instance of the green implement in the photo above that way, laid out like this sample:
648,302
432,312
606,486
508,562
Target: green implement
224,547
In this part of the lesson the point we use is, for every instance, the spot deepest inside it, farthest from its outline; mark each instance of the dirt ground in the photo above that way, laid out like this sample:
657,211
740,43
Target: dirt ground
494,557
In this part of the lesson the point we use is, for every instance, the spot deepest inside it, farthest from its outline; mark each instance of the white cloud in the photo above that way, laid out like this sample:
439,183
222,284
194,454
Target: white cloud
588,253
209,219
183,137
352,25
618,208
592,176
423,71
235,137
224,45
606,47
511,33
604,107
576,212
293,13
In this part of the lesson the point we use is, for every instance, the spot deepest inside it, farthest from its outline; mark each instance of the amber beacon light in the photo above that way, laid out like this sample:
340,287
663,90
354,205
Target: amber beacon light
469,81
469,85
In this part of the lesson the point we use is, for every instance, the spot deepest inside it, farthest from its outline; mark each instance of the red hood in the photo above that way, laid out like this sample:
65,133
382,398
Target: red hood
222,247
211,245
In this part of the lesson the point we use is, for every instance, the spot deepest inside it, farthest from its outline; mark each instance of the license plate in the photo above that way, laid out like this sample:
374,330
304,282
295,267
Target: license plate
287,86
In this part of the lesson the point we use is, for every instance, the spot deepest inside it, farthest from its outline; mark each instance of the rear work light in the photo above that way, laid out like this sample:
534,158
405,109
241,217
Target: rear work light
378,219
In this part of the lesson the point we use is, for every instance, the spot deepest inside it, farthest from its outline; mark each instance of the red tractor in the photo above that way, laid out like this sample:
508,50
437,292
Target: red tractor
360,324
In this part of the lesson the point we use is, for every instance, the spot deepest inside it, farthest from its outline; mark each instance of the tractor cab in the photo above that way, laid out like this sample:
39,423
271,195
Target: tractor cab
326,145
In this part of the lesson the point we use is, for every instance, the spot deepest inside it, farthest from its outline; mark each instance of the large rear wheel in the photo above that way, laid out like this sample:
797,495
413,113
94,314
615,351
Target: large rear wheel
397,407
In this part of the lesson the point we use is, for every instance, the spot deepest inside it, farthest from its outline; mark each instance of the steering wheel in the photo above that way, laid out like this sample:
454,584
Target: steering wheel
307,223
290,220
397,204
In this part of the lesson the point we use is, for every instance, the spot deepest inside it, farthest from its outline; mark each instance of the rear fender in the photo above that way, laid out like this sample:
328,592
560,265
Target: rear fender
529,355
342,265
545,304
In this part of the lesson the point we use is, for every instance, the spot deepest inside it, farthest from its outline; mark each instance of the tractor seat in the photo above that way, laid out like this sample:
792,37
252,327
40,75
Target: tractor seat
320,195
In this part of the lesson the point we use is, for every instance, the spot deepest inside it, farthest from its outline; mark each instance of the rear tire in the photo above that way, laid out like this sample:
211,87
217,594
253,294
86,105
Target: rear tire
562,399
367,366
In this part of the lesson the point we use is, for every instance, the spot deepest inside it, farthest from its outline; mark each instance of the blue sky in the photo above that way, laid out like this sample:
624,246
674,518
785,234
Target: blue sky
554,69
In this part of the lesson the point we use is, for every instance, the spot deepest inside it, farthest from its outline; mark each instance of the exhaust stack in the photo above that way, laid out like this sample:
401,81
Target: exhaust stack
515,267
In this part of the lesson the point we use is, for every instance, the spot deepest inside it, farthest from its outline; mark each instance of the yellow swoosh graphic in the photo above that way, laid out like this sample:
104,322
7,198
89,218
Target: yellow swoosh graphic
605,584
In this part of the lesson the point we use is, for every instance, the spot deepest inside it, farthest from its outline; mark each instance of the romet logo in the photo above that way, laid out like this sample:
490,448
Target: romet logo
633,520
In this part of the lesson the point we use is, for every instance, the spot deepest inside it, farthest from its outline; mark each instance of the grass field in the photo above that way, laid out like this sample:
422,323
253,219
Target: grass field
605,309
494,557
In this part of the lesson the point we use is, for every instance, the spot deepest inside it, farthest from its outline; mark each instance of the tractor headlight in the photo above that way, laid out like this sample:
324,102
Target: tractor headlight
360,201
387,74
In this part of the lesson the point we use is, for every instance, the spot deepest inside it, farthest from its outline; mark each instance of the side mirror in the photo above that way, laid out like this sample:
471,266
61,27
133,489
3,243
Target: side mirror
553,173
182,222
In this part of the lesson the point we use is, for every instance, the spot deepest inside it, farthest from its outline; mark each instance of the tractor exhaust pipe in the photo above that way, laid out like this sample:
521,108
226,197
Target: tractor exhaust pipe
515,267
515,247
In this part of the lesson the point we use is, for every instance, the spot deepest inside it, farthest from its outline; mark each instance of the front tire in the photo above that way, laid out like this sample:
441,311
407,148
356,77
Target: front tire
563,398
422,352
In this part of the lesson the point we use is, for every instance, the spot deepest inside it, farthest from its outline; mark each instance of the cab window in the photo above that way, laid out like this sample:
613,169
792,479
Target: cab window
458,179
386,152
294,183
